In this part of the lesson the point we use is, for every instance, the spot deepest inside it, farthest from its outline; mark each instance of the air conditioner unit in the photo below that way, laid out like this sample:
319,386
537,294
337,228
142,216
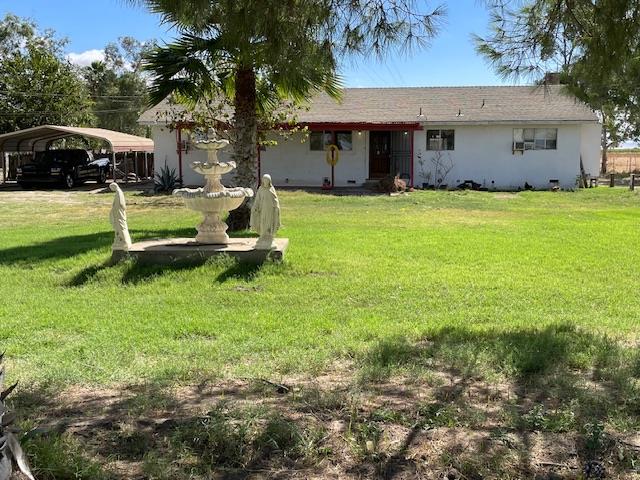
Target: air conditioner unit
518,147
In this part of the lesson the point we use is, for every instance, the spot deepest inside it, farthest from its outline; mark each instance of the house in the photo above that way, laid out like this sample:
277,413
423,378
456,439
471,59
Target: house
501,137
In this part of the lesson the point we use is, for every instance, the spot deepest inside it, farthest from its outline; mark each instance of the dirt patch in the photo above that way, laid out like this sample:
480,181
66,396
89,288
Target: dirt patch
327,427
506,196
78,195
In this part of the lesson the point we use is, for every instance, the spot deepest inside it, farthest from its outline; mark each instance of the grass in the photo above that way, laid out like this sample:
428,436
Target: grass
360,270
516,312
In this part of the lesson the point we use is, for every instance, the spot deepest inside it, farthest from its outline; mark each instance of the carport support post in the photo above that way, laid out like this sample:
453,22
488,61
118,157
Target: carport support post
135,164
146,166
125,160
5,165
113,162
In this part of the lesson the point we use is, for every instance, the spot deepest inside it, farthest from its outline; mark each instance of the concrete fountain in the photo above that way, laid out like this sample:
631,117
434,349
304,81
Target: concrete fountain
214,201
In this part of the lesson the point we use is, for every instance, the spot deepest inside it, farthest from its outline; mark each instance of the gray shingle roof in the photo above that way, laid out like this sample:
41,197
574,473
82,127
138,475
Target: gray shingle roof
450,105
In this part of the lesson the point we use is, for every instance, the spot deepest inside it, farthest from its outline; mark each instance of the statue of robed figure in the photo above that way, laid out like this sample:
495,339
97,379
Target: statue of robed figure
118,218
265,214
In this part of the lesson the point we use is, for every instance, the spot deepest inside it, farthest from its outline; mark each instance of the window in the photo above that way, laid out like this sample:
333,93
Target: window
319,141
343,141
441,139
534,139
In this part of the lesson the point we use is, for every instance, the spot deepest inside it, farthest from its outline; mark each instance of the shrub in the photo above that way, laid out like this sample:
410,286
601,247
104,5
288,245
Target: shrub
166,181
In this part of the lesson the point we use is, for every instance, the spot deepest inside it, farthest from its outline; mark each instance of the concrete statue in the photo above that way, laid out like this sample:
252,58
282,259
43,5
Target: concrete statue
265,214
118,218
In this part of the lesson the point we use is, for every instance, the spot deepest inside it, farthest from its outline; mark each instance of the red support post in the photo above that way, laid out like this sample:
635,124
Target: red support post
333,167
411,132
179,142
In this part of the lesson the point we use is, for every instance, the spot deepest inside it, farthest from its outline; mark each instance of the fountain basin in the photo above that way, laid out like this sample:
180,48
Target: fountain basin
213,205
213,168
200,200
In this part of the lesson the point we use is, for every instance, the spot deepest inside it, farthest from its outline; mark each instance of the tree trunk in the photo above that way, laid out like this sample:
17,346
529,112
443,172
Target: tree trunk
605,146
245,136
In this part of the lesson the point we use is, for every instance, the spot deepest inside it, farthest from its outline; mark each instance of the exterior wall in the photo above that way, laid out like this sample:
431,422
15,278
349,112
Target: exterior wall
483,153
292,162
591,140
166,151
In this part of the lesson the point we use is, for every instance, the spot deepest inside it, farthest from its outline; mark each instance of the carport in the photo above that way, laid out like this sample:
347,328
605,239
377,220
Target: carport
37,139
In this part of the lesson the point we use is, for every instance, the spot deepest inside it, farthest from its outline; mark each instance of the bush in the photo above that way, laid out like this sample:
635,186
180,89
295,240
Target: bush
166,181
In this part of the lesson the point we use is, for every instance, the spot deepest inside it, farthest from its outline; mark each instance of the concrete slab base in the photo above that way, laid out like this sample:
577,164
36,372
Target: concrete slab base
187,250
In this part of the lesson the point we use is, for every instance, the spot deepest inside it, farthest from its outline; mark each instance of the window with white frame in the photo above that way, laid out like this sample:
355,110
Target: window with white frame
441,139
320,140
535,139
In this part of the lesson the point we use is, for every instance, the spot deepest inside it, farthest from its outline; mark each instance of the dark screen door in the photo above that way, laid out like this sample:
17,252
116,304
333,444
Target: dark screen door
379,154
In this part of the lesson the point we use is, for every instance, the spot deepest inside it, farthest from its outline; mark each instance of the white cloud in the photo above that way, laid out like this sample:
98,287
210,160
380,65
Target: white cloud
84,59
629,144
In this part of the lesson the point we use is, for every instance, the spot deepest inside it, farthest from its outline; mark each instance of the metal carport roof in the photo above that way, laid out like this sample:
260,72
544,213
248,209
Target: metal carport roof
37,138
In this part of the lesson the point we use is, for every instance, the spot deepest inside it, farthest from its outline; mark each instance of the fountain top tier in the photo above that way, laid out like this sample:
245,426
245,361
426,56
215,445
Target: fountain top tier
214,200
212,169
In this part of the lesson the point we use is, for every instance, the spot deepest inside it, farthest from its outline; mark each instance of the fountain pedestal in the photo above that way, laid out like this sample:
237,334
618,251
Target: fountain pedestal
212,230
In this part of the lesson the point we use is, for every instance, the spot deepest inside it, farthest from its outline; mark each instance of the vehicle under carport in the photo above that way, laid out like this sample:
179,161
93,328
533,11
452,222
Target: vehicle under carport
17,147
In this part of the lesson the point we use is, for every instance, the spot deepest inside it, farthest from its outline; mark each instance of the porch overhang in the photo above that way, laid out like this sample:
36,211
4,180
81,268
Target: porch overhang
392,126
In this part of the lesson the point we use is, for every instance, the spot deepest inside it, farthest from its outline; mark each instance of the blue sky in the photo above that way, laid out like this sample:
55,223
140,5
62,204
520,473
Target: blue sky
451,60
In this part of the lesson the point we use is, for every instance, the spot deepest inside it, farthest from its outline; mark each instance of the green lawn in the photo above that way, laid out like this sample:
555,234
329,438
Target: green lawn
491,333
360,270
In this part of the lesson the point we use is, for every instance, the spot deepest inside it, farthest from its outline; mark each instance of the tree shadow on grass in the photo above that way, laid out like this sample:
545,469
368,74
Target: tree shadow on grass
239,271
225,268
55,249
526,354
138,273
559,382
71,246
232,269
87,274
558,379
155,431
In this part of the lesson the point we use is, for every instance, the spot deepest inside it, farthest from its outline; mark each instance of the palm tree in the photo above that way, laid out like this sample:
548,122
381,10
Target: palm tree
256,54
260,53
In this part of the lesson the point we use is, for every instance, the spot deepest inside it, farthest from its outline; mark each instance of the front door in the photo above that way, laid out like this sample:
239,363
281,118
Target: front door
379,154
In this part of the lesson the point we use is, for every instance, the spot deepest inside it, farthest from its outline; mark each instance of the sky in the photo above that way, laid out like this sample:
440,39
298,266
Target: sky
449,61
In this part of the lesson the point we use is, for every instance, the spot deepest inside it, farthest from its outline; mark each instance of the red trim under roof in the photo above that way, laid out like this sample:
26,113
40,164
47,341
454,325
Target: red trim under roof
360,126
314,126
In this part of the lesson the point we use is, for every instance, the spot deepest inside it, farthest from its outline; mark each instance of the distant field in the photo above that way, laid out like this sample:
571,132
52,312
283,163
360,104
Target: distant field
623,161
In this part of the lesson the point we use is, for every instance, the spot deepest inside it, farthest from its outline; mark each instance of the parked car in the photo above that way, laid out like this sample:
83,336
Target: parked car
65,167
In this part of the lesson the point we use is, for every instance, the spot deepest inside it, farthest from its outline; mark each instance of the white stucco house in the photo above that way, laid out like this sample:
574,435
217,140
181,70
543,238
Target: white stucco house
499,137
